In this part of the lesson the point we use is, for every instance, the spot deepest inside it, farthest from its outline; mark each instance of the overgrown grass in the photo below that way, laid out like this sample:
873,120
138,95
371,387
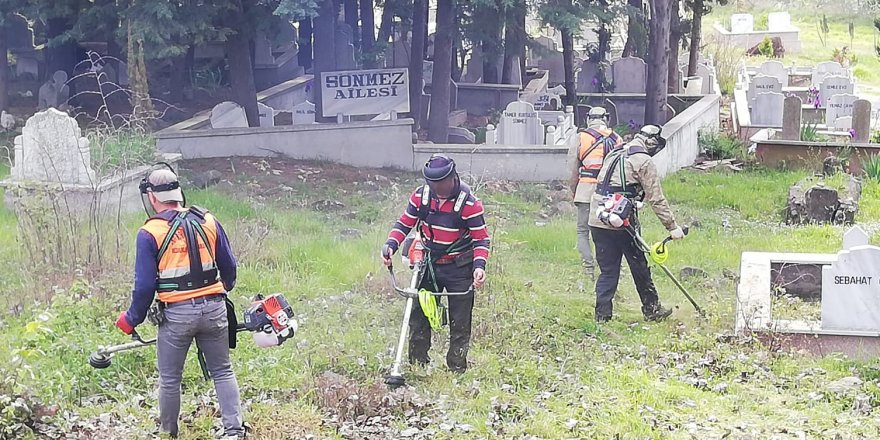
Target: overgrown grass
540,365
718,145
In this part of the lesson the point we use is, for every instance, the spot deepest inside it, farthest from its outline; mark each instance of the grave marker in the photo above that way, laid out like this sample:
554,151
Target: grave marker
304,113
768,108
791,118
51,148
520,125
839,106
834,85
850,285
629,74
228,114
742,23
861,122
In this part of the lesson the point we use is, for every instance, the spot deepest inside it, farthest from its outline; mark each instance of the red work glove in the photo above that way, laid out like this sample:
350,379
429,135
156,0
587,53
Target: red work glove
123,324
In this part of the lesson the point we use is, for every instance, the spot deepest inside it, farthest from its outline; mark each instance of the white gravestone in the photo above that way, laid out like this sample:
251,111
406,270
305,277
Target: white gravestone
228,115
707,74
826,69
775,69
843,123
742,23
51,148
778,21
851,291
520,125
834,85
763,84
855,236
768,109
304,113
267,115
839,106
629,74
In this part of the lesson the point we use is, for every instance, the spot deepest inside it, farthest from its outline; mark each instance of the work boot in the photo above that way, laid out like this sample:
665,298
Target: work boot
656,312
603,318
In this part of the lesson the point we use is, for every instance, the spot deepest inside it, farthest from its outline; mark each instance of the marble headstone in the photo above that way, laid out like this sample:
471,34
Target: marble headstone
228,114
51,148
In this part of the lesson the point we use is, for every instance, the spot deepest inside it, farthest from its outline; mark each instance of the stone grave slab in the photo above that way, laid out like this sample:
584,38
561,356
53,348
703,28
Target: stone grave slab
629,74
838,107
768,108
228,114
520,125
850,286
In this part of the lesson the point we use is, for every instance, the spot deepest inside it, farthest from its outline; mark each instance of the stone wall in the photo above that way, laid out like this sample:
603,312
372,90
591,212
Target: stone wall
746,40
370,144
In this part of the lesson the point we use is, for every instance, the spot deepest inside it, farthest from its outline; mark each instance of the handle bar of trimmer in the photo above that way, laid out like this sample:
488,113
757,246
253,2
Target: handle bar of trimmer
414,293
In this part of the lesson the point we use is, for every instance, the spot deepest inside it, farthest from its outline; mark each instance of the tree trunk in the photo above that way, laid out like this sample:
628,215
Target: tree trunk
568,66
489,17
141,104
241,71
351,19
438,123
368,35
60,56
636,35
675,34
4,70
325,50
416,67
658,62
696,36
514,39
385,28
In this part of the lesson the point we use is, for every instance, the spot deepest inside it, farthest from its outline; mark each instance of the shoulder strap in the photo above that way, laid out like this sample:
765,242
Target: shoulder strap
425,205
459,202
599,141
176,224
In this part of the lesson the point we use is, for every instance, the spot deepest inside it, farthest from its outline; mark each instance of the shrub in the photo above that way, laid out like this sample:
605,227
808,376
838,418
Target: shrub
720,145
871,167
728,59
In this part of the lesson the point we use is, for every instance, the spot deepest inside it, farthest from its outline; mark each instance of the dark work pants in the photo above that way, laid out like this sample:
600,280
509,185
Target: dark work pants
454,279
611,246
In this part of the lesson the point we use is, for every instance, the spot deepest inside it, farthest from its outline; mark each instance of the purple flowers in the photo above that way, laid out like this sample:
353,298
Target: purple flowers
632,124
852,133
813,97
595,81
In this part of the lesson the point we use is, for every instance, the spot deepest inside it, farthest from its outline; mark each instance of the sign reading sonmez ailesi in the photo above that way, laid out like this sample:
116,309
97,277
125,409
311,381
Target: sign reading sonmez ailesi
365,92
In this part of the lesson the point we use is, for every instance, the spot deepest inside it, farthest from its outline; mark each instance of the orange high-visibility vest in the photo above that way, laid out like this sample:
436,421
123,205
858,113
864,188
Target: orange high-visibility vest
176,281
594,145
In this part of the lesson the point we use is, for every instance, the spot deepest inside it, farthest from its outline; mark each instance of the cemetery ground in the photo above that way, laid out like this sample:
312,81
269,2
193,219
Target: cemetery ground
866,67
540,366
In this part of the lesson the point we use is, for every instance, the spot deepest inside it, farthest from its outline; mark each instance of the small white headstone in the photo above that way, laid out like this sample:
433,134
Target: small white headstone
763,84
834,85
778,21
742,23
707,74
775,69
228,115
850,300
267,115
855,236
767,110
629,74
838,107
51,148
826,69
520,125
304,113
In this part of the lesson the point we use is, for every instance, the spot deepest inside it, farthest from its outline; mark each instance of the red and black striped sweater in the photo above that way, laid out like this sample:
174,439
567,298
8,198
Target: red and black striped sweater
443,226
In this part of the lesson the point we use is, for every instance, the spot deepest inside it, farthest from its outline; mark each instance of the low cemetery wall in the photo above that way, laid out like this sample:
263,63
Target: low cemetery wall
375,144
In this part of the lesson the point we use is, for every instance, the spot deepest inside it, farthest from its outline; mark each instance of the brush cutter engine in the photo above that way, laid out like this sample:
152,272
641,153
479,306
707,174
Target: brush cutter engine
271,320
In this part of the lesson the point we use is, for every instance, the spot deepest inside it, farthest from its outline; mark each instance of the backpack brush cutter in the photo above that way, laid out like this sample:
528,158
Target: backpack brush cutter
270,319
659,254
433,310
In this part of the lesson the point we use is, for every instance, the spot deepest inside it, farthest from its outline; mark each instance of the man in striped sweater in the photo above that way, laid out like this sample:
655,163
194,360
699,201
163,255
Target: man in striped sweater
450,221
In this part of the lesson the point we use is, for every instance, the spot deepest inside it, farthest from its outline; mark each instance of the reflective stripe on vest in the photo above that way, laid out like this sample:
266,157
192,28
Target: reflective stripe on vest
591,153
174,262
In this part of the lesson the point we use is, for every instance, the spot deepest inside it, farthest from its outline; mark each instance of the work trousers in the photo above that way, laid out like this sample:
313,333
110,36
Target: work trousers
453,278
206,323
611,247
